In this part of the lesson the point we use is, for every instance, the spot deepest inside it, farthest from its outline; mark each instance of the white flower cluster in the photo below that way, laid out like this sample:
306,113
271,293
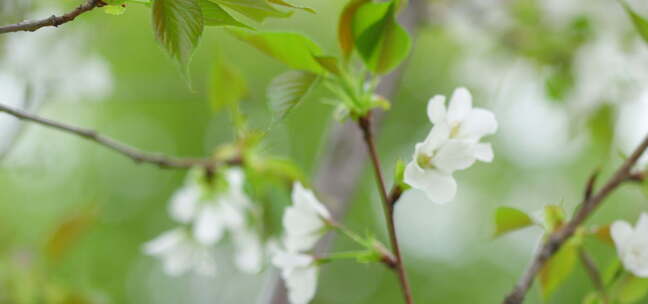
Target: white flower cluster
632,245
452,144
209,210
305,222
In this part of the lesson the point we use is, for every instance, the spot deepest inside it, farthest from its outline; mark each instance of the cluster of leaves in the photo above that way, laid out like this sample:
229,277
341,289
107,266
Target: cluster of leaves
620,287
366,27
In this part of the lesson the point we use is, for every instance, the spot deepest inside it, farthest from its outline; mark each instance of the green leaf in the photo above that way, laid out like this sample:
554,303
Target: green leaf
631,289
295,50
286,4
554,217
214,15
558,268
509,219
399,175
257,10
381,42
115,9
345,27
227,86
640,23
178,25
329,63
288,89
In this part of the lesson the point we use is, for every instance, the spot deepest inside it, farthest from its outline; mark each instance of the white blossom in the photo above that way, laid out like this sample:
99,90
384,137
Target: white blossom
180,253
305,221
299,272
211,212
248,250
632,245
452,144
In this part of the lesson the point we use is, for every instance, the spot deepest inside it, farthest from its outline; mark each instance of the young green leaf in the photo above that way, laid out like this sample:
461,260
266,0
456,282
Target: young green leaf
115,10
640,23
215,15
295,50
554,217
329,63
288,89
290,5
631,289
509,219
178,25
558,268
381,42
345,30
257,10
227,86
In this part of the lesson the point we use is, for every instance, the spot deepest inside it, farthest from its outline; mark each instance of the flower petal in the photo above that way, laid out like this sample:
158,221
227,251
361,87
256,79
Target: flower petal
438,135
438,187
304,198
436,109
621,232
285,260
642,225
460,105
235,177
455,155
478,123
484,152
208,228
164,242
302,285
184,203
178,261
249,252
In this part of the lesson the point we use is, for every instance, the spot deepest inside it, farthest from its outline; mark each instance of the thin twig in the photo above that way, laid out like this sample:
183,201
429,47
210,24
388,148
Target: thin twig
388,207
558,238
130,152
594,273
32,26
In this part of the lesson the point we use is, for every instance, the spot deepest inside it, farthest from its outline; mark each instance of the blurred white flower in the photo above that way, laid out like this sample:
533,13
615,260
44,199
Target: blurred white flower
184,203
632,245
299,272
453,144
211,211
632,127
305,221
248,250
56,65
180,253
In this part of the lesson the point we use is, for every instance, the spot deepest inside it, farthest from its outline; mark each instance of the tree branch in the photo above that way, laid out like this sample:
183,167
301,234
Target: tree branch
558,238
388,206
126,150
32,26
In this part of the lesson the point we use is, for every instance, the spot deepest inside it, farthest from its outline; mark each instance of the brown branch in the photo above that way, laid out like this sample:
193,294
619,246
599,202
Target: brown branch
594,273
558,238
32,26
126,150
388,206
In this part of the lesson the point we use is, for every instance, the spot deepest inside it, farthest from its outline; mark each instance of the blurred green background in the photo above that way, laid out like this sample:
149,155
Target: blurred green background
544,152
